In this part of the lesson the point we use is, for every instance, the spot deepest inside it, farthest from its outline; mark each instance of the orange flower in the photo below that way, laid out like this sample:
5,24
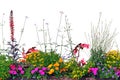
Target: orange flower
56,64
0,78
21,60
63,70
60,60
56,68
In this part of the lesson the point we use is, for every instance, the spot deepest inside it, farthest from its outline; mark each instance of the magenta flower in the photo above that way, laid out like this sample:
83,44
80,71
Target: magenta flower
21,72
20,68
12,72
44,68
12,67
36,69
94,70
33,71
42,73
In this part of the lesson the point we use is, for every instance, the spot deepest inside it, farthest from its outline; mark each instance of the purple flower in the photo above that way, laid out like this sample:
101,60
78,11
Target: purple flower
33,71
42,73
94,70
44,68
22,72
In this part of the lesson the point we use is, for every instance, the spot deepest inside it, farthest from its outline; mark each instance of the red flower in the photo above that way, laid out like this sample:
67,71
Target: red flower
12,26
83,45
32,50
75,50
83,62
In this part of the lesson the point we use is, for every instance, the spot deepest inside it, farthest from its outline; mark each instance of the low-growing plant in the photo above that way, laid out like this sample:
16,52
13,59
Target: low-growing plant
4,66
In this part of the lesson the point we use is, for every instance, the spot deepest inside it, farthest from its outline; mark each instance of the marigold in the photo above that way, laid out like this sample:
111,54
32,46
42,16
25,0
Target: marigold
57,68
56,64
51,71
49,66
60,60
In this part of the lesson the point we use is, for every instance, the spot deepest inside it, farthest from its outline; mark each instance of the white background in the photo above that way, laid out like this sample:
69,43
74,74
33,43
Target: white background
80,13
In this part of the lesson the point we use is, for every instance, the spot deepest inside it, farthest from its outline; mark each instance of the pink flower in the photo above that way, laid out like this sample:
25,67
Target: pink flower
42,73
12,66
94,70
36,69
22,72
44,68
12,72
33,71
20,68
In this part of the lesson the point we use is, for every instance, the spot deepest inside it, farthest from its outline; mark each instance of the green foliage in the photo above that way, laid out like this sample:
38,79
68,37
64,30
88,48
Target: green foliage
50,58
4,66
28,72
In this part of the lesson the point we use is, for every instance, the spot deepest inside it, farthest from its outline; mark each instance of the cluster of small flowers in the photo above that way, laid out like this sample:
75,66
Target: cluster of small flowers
14,69
41,71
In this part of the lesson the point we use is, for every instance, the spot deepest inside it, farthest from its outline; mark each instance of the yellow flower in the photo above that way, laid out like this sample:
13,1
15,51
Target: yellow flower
75,76
56,64
51,71
34,65
60,60
56,68
50,65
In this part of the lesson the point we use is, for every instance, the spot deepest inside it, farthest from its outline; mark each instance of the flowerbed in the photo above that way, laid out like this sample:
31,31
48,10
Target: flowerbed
48,66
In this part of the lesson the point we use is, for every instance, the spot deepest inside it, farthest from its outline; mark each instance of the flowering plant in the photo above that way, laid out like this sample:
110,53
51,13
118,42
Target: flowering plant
16,70
38,72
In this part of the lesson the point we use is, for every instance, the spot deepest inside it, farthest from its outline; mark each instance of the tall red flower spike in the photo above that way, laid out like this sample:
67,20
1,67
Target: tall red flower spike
11,26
